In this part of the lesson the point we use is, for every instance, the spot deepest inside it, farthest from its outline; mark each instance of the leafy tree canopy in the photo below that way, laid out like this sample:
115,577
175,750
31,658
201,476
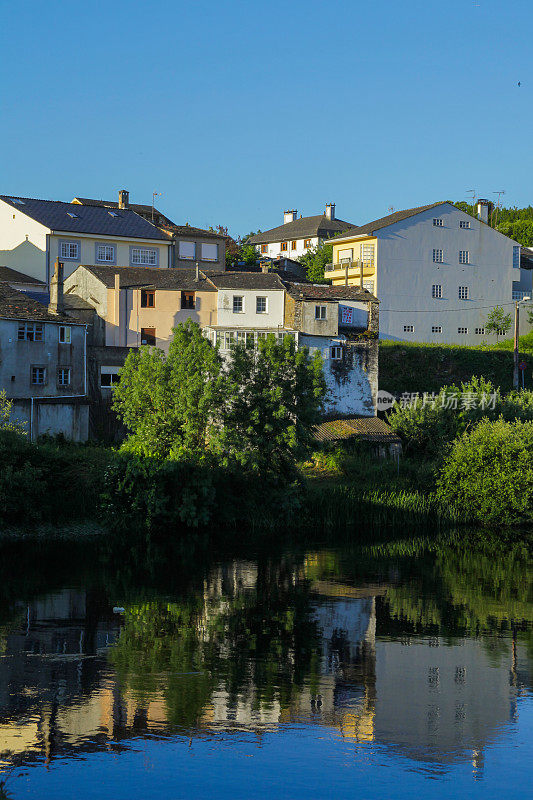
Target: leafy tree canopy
498,321
517,223
315,262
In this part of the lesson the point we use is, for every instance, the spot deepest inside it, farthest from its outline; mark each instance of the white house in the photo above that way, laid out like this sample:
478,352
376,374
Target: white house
298,235
34,233
436,270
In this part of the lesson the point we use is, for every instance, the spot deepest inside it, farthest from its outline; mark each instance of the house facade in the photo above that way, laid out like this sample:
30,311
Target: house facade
298,235
436,270
43,365
34,233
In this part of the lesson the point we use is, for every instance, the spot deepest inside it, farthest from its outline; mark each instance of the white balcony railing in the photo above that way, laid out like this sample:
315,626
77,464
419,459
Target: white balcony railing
369,264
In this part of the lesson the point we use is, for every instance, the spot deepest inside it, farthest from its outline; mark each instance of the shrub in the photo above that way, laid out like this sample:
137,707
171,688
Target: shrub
489,471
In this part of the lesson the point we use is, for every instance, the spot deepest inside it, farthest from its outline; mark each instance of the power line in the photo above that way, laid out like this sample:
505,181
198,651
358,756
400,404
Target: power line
443,310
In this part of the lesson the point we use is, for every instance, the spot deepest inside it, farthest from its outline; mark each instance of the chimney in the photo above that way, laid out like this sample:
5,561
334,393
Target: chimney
330,210
56,304
483,210
123,198
290,216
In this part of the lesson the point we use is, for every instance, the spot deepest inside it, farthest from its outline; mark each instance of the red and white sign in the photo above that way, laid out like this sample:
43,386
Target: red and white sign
346,315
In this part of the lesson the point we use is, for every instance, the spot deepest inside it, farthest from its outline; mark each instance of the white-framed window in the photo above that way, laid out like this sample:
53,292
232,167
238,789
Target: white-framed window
209,252
346,256
436,329
63,376
462,331
105,253
69,250
30,332
516,256
38,376
187,250
369,286
238,304
437,256
108,377
336,352
320,312
464,257
260,305
463,293
437,222
436,291
408,328
464,223
144,256
367,253
479,331
65,334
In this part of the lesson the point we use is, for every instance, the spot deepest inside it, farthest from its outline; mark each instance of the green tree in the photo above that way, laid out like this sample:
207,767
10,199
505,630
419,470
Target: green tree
167,401
273,398
498,321
315,262
6,407
521,231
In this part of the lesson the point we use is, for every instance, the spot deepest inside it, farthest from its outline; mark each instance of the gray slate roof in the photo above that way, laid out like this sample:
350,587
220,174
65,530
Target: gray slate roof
390,219
305,227
261,281
152,277
94,220
14,276
139,208
313,291
17,305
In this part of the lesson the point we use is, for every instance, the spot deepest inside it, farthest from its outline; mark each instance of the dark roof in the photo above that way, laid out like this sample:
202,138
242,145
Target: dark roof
301,228
14,276
190,230
314,291
246,280
139,208
390,219
132,277
369,429
89,219
17,305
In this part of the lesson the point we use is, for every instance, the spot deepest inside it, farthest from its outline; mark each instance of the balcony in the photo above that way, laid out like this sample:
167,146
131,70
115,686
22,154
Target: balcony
353,268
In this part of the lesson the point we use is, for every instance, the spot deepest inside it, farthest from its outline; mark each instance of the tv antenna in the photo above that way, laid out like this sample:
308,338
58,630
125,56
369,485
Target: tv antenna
391,209
474,195
498,204
154,195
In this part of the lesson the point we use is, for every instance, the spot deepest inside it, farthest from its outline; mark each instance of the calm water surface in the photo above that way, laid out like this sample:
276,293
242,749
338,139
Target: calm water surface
376,671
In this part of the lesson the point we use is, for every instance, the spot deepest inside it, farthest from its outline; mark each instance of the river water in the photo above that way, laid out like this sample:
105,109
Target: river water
284,671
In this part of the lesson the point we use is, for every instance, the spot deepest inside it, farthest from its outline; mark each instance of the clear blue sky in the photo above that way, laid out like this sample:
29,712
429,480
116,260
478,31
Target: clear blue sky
237,110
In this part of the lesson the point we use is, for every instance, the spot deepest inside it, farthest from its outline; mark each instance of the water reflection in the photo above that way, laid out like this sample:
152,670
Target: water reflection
424,651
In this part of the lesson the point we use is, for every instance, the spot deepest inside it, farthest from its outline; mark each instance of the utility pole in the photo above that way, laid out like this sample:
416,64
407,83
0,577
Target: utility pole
516,332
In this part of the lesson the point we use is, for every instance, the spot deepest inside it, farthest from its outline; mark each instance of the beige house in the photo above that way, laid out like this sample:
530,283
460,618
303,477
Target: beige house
34,233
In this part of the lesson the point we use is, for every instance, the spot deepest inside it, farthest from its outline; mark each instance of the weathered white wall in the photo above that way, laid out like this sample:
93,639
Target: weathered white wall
274,248
249,318
22,242
69,418
406,273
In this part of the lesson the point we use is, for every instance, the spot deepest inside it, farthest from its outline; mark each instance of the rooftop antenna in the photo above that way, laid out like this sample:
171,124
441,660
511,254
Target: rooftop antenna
474,195
154,195
498,205
391,209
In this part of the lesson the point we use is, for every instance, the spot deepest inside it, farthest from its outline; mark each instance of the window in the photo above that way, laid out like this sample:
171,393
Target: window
63,376
187,250
320,312
112,213
147,298
479,331
187,299
436,329
307,242
108,377
293,245
238,304
148,336
336,352
463,292
64,334
260,305
436,291
18,201
464,257
264,248
209,252
143,256
437,256
73,216
31,332
464,223
345,256
408,328
516,256
38,376
105,253
437,222
69,250
462,331
284,245
367,253
369,286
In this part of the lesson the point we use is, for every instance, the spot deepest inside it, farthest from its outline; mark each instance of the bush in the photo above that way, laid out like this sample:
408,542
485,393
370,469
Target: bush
489,471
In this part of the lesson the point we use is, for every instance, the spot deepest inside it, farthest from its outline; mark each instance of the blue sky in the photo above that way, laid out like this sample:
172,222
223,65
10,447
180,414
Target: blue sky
237,110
